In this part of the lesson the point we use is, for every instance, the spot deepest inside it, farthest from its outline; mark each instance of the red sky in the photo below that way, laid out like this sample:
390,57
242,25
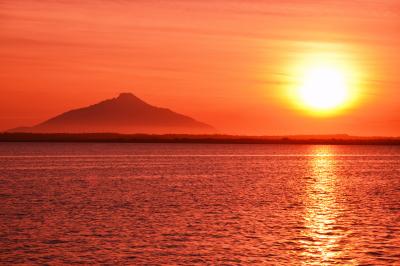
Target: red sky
226,63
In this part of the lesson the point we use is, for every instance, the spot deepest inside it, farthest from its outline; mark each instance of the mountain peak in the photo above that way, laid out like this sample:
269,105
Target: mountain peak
124,114
126,95
127,98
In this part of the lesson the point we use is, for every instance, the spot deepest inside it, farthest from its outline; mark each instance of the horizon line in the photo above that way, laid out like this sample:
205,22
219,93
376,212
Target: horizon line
337,139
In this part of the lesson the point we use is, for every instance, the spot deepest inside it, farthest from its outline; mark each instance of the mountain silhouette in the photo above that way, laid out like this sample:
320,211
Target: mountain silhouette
124,114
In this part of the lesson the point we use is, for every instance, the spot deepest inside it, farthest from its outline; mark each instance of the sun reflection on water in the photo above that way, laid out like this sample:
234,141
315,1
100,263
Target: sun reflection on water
322,236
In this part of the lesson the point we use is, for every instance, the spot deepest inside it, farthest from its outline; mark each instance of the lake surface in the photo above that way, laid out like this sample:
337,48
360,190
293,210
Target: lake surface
151,204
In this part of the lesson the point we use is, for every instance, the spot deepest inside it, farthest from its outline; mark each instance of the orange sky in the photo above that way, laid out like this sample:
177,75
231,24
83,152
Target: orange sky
226,63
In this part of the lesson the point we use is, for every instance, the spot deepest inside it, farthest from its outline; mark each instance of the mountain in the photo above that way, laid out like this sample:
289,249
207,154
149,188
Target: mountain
124,114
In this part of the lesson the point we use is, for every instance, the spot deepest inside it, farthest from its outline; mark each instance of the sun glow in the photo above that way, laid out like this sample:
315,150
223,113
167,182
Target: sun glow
324,87
324,84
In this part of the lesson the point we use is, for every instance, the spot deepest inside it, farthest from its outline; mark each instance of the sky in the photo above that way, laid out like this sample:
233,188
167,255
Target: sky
229,63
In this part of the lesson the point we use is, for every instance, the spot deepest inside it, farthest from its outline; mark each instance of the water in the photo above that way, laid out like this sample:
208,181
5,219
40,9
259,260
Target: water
141,204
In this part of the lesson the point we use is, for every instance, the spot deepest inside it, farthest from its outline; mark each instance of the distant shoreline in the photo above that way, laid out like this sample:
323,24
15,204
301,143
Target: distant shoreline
206,139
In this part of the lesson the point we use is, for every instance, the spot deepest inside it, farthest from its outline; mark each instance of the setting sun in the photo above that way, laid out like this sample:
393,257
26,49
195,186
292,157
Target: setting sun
324,83
324,87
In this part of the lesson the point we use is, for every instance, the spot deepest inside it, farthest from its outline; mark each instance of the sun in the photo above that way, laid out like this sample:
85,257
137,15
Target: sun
323,84
324,87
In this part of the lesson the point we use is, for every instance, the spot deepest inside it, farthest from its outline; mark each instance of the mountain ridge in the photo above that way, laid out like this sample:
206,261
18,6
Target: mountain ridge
123,114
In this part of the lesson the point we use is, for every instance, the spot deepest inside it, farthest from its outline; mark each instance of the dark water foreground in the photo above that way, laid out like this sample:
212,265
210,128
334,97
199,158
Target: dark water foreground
141,204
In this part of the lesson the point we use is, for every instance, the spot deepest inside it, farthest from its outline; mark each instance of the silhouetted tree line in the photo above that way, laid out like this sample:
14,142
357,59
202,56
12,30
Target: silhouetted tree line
179,138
